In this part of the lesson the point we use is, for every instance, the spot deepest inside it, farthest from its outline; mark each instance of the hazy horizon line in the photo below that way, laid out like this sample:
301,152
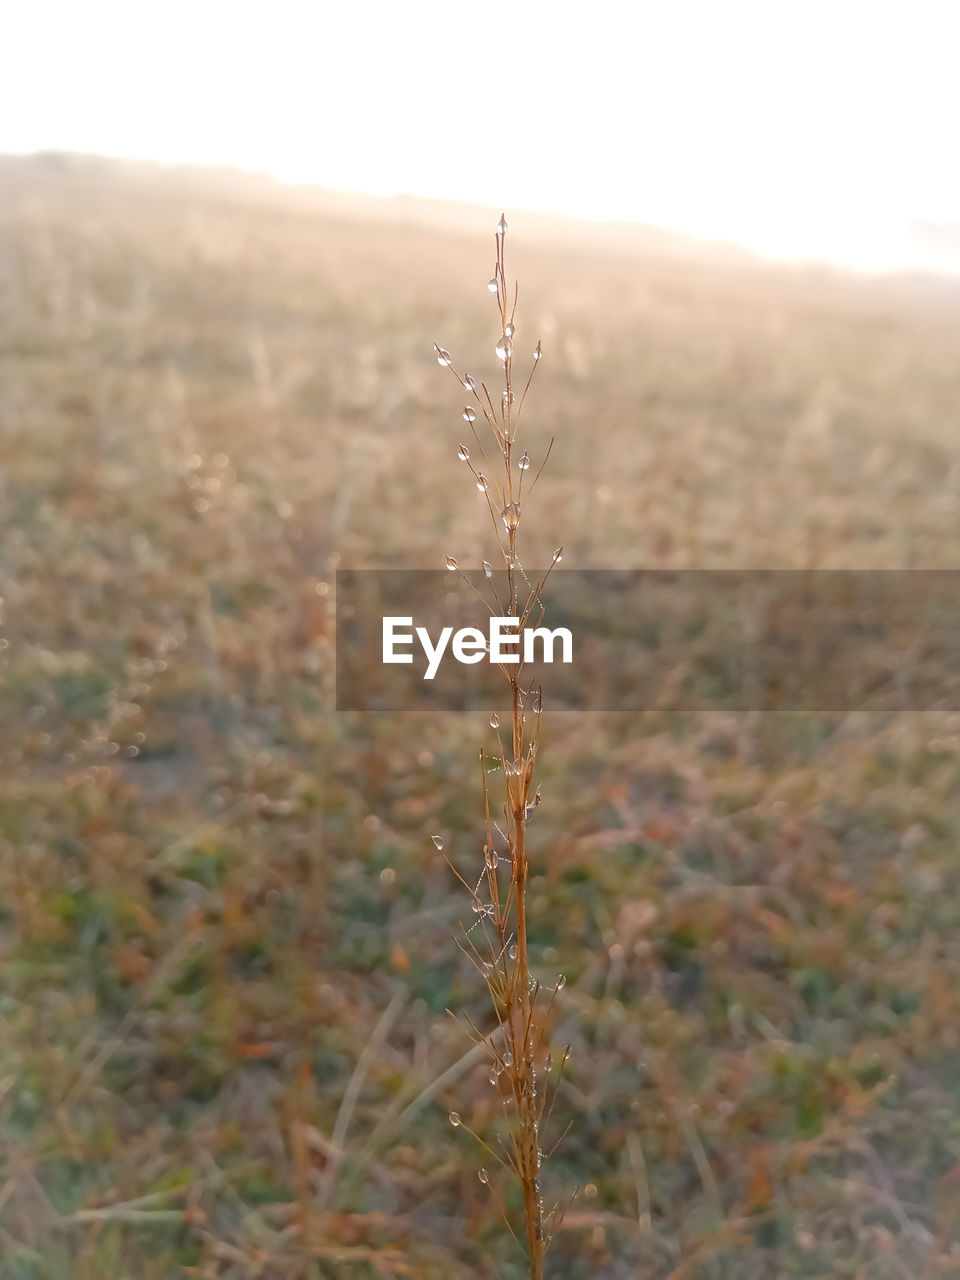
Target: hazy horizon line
941,260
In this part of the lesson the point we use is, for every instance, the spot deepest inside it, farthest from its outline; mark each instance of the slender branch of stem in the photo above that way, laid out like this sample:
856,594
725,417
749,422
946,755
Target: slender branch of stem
506,965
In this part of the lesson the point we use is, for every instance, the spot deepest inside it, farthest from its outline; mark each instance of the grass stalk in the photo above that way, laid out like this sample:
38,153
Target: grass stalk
500,899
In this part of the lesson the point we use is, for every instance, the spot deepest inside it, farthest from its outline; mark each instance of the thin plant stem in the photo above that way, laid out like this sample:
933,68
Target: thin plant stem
502,915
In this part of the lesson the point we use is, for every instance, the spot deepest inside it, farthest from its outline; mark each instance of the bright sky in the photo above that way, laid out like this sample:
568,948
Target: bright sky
800,128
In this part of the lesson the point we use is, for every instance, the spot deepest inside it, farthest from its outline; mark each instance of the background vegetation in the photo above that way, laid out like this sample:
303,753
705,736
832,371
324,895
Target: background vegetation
227,941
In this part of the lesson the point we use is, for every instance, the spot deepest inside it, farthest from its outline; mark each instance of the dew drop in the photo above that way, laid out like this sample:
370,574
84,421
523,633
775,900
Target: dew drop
484,1177
469,413
508,397
511,515
548,1063
463,453
538,353
438,841
561,982
509,329
454,1119
451,564
481,482
504,348
558,555
487,568
491,859
502,224
492,284
508,1059
524,463
443,356
513,952
494,721
469,382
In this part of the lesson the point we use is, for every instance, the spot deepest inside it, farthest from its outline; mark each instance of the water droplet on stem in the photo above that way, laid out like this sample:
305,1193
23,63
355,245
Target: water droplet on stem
451,564
443,356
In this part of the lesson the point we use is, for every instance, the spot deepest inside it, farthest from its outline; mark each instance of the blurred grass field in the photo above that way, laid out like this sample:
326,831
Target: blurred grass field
226,937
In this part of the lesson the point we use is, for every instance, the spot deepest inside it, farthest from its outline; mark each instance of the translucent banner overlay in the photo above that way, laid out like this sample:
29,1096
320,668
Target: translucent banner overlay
830,641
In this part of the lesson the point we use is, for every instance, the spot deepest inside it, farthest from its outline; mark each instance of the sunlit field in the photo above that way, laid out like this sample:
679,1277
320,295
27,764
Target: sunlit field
228,943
